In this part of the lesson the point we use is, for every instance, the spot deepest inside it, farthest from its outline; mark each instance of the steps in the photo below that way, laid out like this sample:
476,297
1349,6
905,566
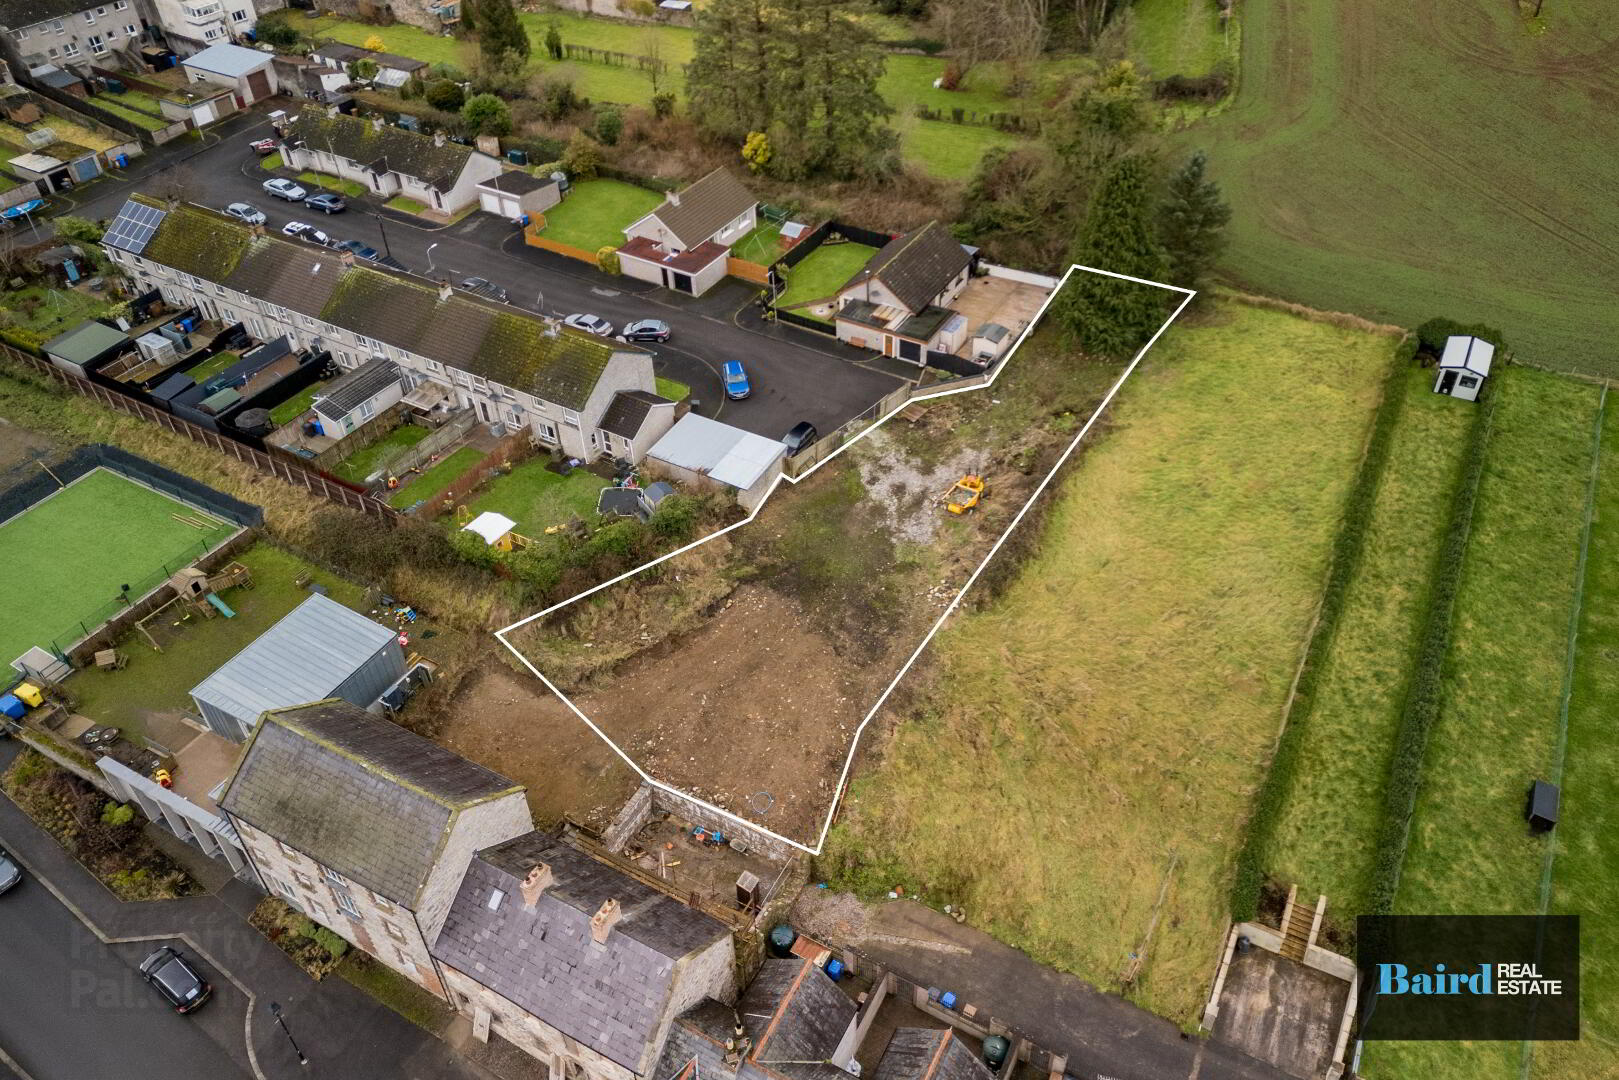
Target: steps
1300,925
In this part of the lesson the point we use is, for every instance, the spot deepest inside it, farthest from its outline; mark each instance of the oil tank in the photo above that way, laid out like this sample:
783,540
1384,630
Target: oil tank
781,940
995,1050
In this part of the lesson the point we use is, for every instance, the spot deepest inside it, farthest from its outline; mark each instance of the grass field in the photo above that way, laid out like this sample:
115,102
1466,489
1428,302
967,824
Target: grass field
536,498
360,464
1339,785
823,272
1096,733
436,479
64,560
1355,123
1470,852
1176,37
595,212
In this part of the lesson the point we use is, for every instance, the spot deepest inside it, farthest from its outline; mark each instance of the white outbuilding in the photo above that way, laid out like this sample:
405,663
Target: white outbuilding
1463,367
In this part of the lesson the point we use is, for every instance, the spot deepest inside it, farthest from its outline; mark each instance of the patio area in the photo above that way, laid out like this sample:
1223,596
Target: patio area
1011,304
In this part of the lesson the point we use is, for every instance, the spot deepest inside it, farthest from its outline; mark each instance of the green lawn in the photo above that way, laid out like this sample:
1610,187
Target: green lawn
762,245
64,560
823,272
1330,819
114,104
352,188
1470,852
1353,123
360,464
405,203
674,391
536,498
1176,37
435,479
49,311
595,212
1586,865
154,681
271,161
297,405
212,366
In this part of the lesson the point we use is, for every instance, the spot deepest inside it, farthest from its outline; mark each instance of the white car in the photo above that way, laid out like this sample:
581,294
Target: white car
306,232
285,189
590,324
247,212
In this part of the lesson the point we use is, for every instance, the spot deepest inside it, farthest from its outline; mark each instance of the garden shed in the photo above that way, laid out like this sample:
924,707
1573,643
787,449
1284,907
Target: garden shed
85,347
1463,367
319,650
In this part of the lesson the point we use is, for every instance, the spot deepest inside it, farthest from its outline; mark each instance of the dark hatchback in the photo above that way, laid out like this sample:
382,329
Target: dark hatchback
175,980
802,435
326,203
10,872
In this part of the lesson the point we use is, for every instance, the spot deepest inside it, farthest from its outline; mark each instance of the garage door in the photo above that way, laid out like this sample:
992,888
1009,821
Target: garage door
204,114
258,85
495,204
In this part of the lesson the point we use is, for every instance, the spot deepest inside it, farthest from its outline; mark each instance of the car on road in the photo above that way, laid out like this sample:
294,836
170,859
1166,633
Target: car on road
306,232
265,147
360,249
10,872
247,212
175,980
327,202
802,434
485,287
736,380
285,189
590,324
647,330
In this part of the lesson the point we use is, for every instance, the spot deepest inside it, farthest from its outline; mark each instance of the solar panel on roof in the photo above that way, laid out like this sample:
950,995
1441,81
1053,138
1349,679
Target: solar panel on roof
134,228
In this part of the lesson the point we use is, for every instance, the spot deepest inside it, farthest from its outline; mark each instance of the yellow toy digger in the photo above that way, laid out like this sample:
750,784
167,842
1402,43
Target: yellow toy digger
963,494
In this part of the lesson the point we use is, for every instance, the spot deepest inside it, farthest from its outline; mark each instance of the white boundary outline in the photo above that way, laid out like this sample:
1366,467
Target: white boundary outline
955,601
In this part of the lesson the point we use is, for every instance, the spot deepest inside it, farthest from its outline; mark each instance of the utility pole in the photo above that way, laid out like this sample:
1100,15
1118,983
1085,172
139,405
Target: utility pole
275,1009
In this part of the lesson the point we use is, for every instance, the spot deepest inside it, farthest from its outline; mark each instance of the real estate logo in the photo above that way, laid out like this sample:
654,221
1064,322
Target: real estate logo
1427,977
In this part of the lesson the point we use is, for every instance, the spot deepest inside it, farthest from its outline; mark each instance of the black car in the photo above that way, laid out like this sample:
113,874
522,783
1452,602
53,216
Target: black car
10,872
485,287
361,250
802,435
326,203
647,330
173,977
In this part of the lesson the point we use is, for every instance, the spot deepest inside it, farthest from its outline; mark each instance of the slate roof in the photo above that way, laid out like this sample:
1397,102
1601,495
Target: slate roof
517,182
342,53
705,207
917,266
629,411
357,793
610,997
929,1054
365,382
384,149
231,61
476,335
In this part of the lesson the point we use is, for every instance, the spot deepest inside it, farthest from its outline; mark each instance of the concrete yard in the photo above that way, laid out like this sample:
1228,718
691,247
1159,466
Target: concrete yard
1281,1012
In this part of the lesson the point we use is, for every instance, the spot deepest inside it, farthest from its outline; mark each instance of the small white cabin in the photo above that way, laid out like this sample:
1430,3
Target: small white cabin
1463,367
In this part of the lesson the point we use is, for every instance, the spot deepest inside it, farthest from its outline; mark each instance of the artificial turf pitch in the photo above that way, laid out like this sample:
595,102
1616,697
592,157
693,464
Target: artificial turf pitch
63,560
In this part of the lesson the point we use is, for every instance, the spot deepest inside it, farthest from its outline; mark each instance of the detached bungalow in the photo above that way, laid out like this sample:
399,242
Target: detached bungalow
683,244
392,70
247,73
389,161
899,302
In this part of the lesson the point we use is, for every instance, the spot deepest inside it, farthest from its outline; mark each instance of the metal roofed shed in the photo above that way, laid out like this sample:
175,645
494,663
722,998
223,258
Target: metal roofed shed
231,61
1463,367
79,349
319,650
698,448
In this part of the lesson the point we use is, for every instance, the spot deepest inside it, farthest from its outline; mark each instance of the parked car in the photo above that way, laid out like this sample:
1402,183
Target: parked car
327,202
10,872
647,330
247,212
801,436
590,324
361,250
175,980
736,380
485,287
285,189
265,147
306,232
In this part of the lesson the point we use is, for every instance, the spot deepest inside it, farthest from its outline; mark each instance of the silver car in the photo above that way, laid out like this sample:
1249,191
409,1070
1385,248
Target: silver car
10,872
247,212
285,189
590,324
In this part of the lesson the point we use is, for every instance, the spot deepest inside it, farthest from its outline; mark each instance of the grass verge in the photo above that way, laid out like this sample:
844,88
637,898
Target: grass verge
395,991
271,161
673,390
326,181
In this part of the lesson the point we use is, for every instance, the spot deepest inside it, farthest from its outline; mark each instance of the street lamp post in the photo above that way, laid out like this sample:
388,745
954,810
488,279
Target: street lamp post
382,226
275,1010
430,248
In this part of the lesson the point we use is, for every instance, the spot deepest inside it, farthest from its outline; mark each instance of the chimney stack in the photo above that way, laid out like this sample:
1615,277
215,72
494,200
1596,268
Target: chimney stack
376,123
345,258
438,138
602,923
444,293
536,882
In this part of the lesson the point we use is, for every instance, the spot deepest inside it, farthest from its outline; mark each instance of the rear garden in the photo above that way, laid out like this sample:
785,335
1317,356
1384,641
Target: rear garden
823,272
423,484
363,462
537,496
594,214
138,108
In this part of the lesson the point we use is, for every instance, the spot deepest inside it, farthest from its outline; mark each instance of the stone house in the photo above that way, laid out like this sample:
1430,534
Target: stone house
390,161
899,302
575,963
506,364
365,827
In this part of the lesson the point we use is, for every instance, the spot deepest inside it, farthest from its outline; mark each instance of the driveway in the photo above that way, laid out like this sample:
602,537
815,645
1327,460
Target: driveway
795,376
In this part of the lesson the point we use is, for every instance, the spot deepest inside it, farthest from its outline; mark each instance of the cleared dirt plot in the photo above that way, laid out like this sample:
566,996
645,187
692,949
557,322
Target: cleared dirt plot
1078,767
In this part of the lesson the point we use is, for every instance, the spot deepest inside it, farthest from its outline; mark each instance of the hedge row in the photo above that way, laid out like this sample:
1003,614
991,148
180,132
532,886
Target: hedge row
1423,697
1346,557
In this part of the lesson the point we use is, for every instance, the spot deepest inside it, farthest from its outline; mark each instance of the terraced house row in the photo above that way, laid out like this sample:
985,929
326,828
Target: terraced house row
567,388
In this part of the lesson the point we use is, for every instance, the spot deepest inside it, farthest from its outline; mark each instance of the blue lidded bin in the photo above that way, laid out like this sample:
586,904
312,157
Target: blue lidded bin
11,705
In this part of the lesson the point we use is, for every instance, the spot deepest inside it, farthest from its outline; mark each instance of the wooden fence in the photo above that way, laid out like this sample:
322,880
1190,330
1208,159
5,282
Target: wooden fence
287,468
616,59
747,271
532,237
513,447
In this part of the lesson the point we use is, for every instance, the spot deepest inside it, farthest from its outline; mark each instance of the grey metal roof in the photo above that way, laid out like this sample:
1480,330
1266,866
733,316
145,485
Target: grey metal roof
357,793
348,392
929,1054
85,342
1470,353
302,658
231,61
610,997
727,454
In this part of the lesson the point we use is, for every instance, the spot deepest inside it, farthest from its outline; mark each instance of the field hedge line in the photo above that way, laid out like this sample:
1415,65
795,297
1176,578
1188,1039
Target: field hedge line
1423,697
1346,556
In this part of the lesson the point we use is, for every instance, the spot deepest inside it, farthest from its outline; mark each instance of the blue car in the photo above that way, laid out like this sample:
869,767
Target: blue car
736,380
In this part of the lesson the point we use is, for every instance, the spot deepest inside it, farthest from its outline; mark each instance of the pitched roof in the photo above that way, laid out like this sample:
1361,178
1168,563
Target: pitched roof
482,337
229,60
915,267
929,1054
342,52
85,342
611,997
728,454
517,182
357,793
18,14
383,149
365,382
704,208
629,411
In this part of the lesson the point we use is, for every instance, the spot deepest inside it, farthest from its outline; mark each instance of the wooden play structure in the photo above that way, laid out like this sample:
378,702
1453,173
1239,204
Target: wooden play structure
495,529
197,593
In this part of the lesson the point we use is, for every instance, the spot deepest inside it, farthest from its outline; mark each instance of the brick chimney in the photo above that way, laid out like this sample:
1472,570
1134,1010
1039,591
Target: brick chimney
602,923
345,258
537,880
